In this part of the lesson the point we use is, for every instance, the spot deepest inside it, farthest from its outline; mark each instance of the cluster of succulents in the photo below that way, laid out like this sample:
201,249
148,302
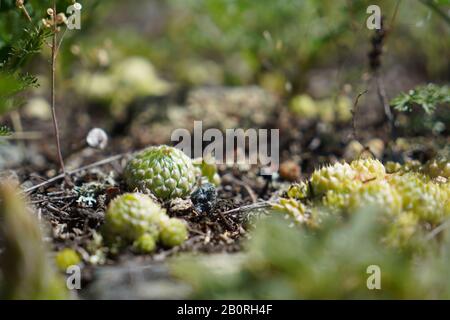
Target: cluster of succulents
134,218
436,167
411,196
162,173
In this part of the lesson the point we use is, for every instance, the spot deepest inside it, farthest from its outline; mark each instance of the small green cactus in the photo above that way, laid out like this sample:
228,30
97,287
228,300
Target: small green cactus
131,215
134,218
173,232
66,258
145,243
166,171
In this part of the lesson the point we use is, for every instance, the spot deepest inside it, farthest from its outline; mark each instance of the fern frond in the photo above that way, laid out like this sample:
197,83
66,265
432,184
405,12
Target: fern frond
426,96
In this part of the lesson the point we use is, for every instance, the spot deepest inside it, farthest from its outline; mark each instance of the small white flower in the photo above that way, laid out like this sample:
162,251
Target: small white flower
97,138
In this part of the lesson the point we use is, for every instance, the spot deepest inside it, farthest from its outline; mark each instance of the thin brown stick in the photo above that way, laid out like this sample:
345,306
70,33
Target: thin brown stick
258,205
438,230
54,49
25,12
394,16
72,172
354,113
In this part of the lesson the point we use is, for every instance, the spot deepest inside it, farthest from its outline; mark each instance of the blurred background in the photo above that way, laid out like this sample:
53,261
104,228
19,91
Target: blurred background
138,68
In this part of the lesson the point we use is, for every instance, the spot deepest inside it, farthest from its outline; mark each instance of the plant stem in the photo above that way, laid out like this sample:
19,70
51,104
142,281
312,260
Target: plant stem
434,7
72,172
354,112
25,12
54,48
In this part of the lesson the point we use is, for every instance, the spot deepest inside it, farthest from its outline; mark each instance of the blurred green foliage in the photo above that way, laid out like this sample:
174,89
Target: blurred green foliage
285,262
20,41
276,43
427,96
4,131
25,271
431,106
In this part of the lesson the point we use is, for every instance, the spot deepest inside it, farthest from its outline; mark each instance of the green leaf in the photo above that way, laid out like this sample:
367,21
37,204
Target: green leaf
428,97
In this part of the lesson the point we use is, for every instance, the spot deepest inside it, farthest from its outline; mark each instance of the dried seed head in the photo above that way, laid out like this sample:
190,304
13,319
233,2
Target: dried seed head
50,11
47,23
19,3
61,18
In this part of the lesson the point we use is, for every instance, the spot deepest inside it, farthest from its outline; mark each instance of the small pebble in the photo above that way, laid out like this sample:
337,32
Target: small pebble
204,198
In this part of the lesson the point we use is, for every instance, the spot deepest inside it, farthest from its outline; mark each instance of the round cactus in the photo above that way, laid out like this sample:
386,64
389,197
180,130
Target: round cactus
173,232
66,258
131,215
145,243
166,171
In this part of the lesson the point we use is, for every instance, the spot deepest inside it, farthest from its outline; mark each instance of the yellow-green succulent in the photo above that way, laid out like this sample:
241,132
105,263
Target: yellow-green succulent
134,218
66,258
173,232
131,215
409,197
